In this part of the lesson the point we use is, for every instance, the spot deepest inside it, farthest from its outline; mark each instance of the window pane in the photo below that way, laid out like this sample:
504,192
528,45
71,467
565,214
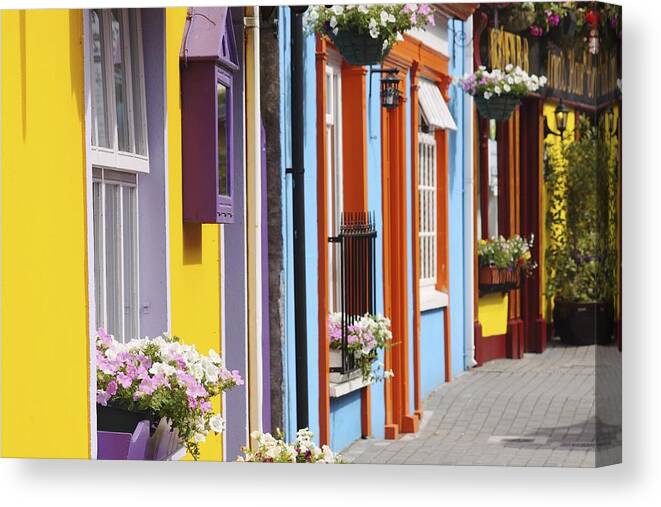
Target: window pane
137,85
113,261
221,119
130,263
119,71
99,109
99,290
493,180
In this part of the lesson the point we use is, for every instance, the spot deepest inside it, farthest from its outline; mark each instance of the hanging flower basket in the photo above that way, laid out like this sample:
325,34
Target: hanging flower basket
498,108
566,35
516,19
365,33
360,48
493,279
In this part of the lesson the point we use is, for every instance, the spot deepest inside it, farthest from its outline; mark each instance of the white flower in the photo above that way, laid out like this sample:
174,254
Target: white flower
509,67
481,67
217,423
333,22
215,358
197,371
542,80
338,9
162,368
374,33
384,18
399,37
199,437
507,88
487,95
497,90
363,8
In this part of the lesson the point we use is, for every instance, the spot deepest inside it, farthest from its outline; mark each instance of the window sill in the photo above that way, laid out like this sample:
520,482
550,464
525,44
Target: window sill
432,299
343,384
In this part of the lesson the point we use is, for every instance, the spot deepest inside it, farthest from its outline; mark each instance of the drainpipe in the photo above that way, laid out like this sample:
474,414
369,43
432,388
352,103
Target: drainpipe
298,181
468,190
253,217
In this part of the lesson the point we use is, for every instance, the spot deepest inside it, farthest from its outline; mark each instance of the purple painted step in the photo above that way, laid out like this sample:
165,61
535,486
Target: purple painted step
122,446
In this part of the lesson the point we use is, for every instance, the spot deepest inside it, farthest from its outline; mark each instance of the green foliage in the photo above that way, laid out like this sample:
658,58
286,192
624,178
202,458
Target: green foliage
581,257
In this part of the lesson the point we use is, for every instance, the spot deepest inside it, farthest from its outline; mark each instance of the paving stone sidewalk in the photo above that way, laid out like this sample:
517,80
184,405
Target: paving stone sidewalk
550,409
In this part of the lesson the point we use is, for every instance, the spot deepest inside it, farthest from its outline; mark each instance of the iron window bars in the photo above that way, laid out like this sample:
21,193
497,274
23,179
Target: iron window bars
356,244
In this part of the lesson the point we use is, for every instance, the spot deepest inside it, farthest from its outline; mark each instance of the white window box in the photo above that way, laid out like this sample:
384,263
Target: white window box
432,299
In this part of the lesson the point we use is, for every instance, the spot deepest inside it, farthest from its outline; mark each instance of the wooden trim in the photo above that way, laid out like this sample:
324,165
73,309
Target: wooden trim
442,210
366,411
322,246
415,240
354,137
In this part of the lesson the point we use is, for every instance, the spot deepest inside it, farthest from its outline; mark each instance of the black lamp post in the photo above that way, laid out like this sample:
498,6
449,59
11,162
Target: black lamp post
390,96
561,114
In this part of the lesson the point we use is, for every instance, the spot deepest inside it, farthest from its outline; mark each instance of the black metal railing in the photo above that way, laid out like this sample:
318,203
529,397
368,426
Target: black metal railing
355,245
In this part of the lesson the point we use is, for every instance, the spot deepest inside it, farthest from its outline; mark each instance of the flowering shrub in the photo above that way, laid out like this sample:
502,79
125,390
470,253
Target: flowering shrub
166,378
364,339
504,253
513,81
272,449
381,21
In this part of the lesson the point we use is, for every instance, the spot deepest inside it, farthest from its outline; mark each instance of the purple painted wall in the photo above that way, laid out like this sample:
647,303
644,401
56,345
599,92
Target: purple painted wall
151,187
234,275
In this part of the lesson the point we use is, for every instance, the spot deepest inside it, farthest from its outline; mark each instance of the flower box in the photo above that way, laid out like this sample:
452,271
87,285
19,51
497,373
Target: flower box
493,279
498,108
517,19
120,420
164,443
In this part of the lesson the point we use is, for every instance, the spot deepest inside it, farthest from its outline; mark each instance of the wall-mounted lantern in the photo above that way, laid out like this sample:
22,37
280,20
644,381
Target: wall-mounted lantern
390,96
208,65
561,114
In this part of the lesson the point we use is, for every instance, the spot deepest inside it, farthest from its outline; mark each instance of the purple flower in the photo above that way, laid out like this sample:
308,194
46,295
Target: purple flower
424,9
430,20
205,406
553,20
237,378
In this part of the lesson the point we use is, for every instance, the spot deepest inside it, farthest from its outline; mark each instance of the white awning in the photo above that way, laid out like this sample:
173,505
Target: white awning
434,109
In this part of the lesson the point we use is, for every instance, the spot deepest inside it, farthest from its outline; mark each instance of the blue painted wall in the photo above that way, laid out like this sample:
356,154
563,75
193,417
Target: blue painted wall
375,203
458,258
345,420
432,353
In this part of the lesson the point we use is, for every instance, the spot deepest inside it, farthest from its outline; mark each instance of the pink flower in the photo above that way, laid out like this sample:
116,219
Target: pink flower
430,20
205,406
424,9
536,31
147,386
111,388
105,338
102,397
237,378
410,8
124,380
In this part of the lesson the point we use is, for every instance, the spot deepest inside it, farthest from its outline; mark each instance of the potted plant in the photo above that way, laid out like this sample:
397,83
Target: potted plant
582,253
502,263
517,17
365,337
160,378
274,449
365,33
498,92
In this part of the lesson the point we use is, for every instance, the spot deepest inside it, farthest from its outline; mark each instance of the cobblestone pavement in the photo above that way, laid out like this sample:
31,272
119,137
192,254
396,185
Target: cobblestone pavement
550,409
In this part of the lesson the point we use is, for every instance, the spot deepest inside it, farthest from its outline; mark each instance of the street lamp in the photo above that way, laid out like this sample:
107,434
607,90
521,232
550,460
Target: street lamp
390,96
561,114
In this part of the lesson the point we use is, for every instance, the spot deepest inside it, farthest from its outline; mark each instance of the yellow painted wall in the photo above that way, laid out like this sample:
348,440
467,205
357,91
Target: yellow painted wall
194,248
492,309
549,109
45,401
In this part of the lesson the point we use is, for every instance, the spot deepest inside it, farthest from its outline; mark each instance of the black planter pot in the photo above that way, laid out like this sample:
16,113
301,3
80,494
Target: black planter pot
515,19
584,323
498,107
120,420
359,48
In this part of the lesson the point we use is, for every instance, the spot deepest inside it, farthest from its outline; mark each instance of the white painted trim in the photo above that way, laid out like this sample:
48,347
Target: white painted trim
432,299
348,386
166,178
253,218
91,303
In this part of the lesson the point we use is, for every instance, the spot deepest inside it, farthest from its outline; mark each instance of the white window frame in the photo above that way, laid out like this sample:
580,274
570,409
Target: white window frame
428,234
104,178
113,158
334,171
